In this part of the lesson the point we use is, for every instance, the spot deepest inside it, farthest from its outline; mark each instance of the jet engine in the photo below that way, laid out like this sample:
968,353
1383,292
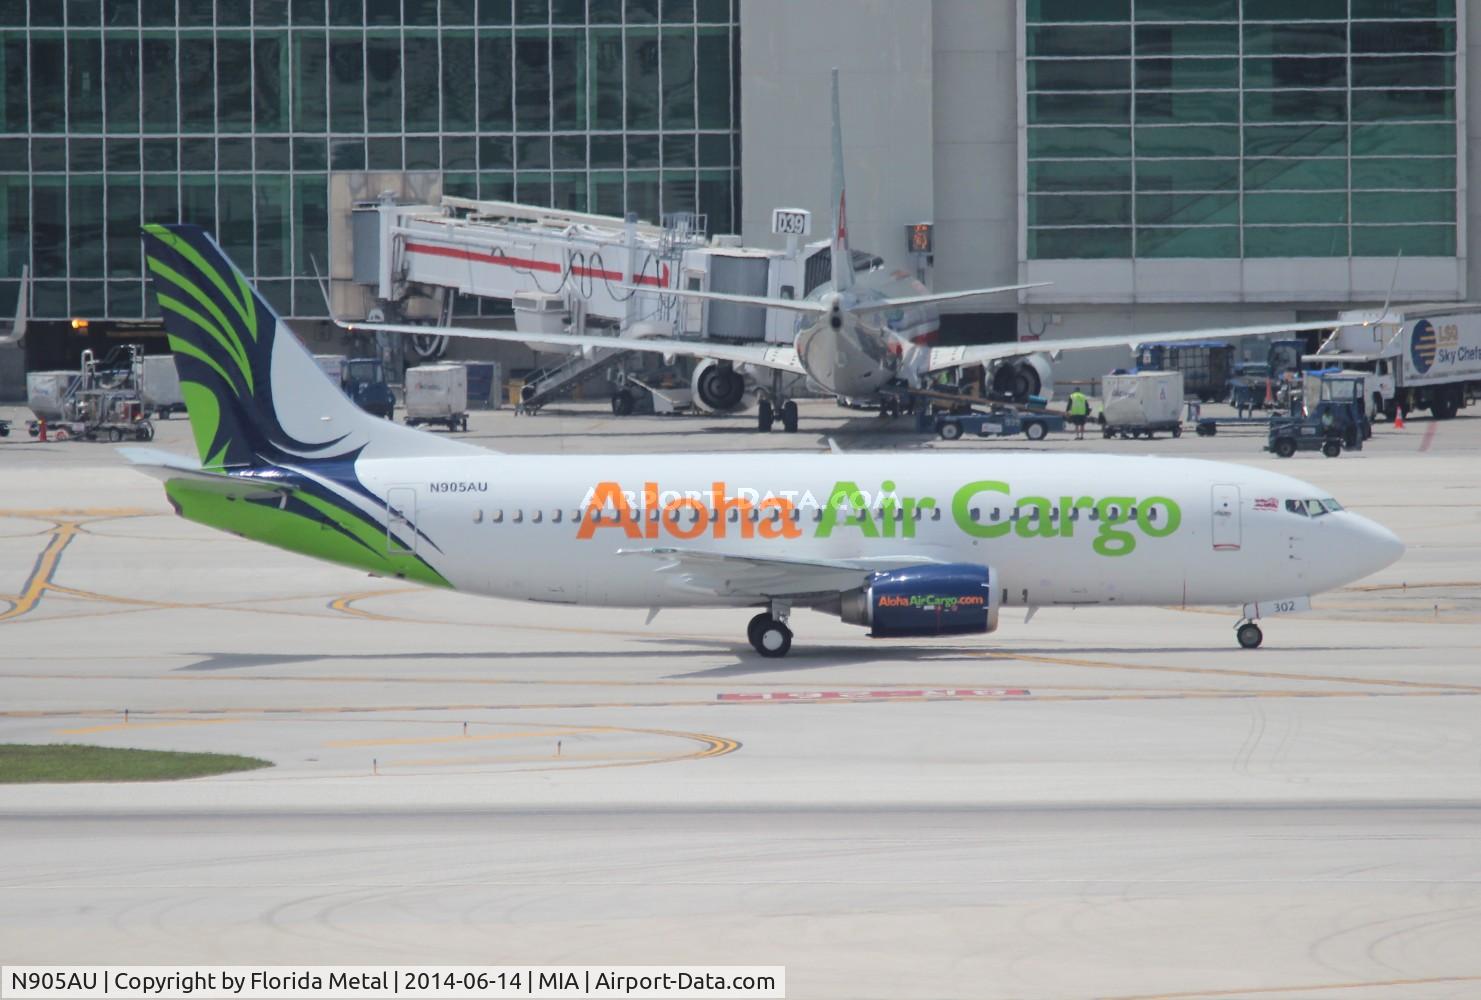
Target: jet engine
718,387
1023,377
948,599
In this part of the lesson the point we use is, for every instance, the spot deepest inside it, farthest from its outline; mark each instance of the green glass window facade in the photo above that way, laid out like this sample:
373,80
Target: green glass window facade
232,114
1241,128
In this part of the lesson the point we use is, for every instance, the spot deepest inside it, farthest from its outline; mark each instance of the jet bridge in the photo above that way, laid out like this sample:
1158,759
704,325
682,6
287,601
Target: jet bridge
498,249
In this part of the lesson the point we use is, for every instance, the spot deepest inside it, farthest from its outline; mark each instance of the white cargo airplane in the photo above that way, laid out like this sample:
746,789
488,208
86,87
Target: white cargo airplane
907,545
857,336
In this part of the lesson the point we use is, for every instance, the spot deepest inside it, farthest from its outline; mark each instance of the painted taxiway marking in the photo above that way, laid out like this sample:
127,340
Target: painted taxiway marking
131,725
1321,987
369,712
472,738
1429,435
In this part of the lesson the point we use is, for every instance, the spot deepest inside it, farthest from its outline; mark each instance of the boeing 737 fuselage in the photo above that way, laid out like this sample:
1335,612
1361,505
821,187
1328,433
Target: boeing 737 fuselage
906,545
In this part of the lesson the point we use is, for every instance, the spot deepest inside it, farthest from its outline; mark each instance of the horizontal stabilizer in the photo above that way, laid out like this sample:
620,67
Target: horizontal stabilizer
790,305
930,300
168,467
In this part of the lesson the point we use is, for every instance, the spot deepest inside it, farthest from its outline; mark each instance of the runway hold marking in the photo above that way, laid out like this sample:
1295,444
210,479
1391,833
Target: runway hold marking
917,694
1277,990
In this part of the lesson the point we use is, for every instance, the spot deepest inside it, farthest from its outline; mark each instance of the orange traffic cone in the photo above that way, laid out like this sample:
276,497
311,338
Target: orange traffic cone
1269,395
1398,420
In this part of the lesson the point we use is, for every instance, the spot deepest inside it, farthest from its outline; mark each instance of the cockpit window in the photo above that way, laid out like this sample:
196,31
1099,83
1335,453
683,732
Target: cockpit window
1313,508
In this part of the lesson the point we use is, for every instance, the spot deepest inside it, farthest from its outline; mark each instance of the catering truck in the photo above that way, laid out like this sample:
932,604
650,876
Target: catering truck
1423,357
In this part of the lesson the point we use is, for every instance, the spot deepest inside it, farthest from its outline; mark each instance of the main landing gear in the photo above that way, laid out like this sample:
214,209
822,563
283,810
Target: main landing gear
774,405
769,633
1249,635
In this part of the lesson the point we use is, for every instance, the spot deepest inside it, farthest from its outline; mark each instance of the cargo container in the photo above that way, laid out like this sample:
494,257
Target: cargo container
159,384
1141,404
437,394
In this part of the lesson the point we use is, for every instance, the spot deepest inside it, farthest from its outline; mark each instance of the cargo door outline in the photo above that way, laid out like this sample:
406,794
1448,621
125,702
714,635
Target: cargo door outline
1225,516
401,521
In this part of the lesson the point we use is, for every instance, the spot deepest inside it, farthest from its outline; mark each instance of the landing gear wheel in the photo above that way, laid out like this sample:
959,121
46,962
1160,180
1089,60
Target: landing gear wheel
622,403
950,431
1285,447
1249,635
1034,430
765,416
768,636
1331,449
789,416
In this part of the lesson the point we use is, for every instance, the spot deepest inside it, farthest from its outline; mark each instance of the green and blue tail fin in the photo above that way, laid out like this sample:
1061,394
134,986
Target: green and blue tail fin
254,393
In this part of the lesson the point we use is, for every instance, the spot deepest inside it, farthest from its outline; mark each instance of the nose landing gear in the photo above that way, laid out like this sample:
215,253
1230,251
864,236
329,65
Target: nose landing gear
1249,635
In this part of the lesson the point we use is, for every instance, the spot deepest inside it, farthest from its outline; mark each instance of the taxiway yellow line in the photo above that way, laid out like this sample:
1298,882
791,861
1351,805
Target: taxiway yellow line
421,740
39,581
159,724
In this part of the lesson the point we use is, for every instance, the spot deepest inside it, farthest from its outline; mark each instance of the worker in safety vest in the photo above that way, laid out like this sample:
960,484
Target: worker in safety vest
1079,411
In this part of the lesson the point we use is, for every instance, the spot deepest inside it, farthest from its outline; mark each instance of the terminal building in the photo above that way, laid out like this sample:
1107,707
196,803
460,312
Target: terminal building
1166,164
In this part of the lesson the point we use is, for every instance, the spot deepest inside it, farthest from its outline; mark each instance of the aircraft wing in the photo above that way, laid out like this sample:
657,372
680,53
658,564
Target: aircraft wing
930,300
951,357
726,575
761,355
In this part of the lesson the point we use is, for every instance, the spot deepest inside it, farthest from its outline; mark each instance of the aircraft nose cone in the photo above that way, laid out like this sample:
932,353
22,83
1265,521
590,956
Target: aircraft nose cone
1377,547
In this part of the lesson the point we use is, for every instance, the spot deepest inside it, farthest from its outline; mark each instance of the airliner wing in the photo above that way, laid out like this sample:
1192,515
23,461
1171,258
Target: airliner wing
761,355
930,300
951,357
726,575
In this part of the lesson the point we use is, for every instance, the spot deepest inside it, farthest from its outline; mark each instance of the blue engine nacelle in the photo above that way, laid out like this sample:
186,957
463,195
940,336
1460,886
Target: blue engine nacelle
950,599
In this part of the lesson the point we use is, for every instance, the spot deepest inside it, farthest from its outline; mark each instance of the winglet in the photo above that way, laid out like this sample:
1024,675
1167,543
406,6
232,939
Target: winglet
843,264
1393,283
18,329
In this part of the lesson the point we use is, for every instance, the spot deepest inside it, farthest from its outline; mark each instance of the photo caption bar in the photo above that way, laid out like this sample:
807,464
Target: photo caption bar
432,982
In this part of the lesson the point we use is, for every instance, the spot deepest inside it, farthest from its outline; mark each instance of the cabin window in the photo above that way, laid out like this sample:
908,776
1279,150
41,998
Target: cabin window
519,516
1151,513
496,516
555,516
753,515
795,514
478,517
734,515
997,514
536,516
935,513
817,515
976,514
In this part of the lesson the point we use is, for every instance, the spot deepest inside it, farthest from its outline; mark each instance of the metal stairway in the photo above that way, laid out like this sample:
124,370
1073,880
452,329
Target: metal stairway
552,383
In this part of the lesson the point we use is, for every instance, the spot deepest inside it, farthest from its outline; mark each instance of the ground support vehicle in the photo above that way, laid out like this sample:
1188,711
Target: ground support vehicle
650,395
99,402
1000,422
1335,422
159,385
1424,357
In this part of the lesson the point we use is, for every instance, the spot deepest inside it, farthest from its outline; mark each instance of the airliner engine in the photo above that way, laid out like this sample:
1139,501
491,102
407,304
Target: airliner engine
949,599
1024,377
718,387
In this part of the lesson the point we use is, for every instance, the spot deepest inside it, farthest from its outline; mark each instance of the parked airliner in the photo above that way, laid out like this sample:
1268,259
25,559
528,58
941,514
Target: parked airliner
905,545
860,335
